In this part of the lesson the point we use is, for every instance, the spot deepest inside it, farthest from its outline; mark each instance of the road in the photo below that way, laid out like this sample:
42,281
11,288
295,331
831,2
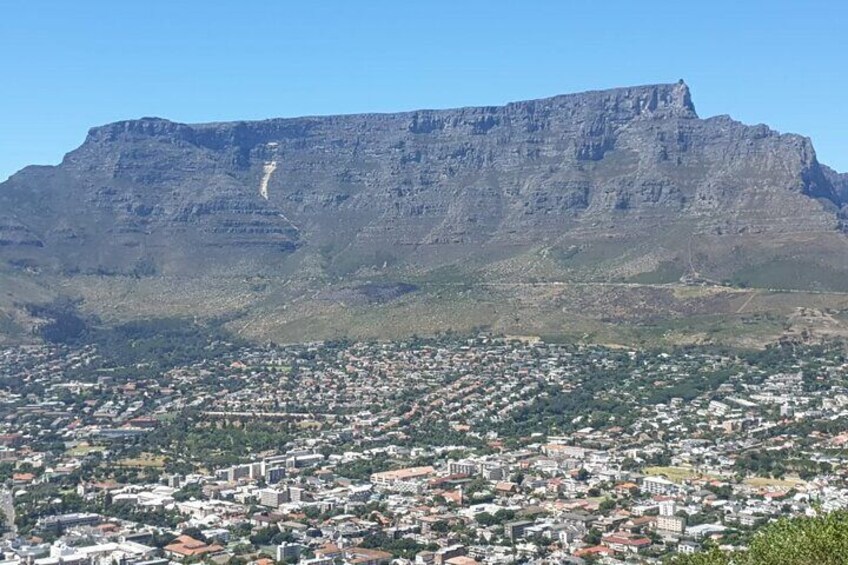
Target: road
563,284
8,507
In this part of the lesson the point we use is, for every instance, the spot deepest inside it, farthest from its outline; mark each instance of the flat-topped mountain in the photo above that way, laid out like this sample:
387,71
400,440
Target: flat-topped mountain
294,221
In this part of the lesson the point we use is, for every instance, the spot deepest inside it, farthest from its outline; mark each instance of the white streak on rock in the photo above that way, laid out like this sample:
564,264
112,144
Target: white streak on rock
268,169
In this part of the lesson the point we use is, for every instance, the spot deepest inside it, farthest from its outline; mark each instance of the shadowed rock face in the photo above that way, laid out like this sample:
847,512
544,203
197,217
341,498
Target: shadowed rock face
839,183
420,189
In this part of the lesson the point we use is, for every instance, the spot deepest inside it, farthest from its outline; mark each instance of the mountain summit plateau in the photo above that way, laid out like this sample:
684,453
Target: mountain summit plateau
570,214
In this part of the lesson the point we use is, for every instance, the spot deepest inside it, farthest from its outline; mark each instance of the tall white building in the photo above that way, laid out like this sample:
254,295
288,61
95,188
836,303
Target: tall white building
667,508
464,467
658,485
287,551
273,497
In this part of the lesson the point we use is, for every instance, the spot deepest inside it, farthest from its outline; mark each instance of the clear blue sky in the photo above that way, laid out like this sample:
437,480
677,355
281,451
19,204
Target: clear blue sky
68,65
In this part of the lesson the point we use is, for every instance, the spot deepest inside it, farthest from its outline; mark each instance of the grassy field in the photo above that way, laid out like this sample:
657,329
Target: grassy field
84,449
766,482
142,461
673,474
680,474
309,424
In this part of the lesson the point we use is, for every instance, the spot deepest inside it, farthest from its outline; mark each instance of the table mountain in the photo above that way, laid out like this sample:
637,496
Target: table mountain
369,212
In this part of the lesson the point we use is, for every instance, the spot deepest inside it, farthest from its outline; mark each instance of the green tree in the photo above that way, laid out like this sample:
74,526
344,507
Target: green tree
820,540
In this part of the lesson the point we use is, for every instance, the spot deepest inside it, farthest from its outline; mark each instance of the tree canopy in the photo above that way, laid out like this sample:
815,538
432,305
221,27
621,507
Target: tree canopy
822,540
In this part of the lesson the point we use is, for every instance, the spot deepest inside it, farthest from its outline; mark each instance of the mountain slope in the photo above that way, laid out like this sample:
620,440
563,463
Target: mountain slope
625,186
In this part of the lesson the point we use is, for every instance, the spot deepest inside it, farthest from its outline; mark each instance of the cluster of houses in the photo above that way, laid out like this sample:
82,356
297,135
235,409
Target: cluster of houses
405,453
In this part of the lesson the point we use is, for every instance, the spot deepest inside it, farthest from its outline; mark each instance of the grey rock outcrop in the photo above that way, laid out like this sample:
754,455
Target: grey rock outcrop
418,190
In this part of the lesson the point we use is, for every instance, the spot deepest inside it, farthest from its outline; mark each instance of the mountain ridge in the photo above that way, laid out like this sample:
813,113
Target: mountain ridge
684,102
622,185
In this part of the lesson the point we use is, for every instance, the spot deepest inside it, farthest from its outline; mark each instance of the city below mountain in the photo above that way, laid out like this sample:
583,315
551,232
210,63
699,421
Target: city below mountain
614,216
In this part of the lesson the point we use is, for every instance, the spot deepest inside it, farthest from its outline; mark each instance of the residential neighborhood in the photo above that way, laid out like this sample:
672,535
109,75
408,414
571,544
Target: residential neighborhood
452,450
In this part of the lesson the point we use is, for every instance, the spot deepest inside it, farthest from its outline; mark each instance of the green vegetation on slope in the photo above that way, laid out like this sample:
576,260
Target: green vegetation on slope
791,274
822,540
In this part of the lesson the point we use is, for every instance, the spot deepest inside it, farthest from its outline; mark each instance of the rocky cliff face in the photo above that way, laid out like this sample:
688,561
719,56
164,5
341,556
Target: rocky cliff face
602,185
839,183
